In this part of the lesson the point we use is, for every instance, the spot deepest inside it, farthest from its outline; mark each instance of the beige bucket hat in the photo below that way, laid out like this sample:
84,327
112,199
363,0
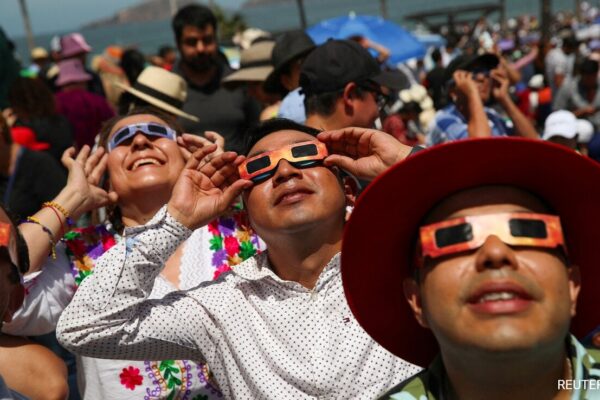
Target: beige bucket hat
255,64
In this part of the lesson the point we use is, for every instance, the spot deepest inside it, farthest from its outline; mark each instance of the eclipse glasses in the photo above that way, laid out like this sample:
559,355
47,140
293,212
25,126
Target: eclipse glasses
148,129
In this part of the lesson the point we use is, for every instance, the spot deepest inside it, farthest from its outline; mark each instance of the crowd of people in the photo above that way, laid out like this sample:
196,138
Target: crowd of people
317,223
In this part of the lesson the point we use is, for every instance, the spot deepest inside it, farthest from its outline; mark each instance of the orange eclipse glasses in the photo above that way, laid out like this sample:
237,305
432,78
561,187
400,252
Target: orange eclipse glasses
300,155
468,233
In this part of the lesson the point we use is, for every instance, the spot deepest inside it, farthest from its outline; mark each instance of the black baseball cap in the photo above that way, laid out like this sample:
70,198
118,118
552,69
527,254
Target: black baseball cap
467,63
288,47
335,63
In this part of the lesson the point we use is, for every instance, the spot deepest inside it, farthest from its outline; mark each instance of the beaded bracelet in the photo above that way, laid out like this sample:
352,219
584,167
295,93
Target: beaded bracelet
60,208
34,220
62,225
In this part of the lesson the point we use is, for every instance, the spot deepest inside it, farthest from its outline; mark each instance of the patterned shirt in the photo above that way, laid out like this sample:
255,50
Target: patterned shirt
263,337
429,384
449,125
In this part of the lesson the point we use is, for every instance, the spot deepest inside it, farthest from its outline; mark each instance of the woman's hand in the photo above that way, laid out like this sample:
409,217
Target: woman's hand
83,192
189,143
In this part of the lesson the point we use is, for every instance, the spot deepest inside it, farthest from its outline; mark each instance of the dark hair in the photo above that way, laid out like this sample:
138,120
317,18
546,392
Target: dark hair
31,98
570,42
324,103
436,55
5,131
133,63
253,135
164,50
193,15
113,212
22,250
589,67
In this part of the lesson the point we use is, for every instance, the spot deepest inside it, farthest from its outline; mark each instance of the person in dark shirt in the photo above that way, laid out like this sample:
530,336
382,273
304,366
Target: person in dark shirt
27,178
228,112
435,81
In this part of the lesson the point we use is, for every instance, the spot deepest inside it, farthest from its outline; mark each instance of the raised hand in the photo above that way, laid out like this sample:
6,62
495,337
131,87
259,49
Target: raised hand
206,187
464,83
501,84
365,153
189,143
85,172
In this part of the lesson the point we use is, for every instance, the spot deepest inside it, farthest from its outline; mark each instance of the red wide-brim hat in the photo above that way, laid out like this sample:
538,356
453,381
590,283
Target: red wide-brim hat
379,238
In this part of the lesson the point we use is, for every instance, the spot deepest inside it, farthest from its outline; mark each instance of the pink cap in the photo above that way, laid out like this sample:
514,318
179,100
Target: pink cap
71,71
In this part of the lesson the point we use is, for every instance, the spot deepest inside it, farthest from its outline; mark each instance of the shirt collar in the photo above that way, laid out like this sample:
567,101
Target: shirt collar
584,363
259,268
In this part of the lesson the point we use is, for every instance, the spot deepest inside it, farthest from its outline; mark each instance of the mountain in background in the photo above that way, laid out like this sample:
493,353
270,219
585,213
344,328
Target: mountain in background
148,10
254,3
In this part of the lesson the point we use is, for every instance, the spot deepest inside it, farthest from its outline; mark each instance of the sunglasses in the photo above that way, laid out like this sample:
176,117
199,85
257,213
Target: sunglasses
148,129
468,233
300,155
380,98
8,247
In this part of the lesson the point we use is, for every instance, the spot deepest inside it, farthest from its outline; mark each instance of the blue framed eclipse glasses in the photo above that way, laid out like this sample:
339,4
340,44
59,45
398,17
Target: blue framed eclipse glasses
148,129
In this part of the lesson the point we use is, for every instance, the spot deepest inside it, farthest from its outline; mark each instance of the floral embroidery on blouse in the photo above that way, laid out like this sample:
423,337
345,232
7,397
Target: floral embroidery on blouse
84,245
130,377
233,241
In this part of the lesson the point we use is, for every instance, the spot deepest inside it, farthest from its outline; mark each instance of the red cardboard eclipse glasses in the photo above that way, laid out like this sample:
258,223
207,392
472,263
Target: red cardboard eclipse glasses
300,155
468,233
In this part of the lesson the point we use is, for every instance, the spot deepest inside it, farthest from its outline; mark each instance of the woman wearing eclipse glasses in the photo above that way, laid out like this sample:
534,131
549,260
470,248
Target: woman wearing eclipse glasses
143,154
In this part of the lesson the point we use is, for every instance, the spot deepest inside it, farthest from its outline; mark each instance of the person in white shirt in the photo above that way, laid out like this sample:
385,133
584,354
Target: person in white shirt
277,326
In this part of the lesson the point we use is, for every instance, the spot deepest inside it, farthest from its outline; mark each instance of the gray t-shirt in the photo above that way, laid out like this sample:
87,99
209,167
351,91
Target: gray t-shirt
228,112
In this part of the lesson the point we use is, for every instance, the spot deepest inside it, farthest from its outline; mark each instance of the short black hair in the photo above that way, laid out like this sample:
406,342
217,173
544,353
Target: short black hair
324,103
193,15
253,135
570,42
436,55
589,67
164,50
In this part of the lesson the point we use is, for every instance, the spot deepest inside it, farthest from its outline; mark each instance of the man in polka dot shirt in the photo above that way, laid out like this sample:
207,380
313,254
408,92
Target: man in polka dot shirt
278,325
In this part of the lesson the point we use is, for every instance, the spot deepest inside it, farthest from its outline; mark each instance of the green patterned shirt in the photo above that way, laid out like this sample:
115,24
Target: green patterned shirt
432,383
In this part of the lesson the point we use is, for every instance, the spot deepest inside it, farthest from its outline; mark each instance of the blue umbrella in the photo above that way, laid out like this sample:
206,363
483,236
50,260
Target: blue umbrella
401,43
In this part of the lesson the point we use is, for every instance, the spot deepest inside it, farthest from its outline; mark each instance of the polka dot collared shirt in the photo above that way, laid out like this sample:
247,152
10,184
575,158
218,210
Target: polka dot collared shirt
263,337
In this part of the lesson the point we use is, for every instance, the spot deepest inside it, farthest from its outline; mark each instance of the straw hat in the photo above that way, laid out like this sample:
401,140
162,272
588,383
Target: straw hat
38,53
255,64
162,89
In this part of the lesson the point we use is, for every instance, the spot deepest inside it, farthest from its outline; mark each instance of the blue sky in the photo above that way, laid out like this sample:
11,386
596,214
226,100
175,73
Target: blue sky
57,15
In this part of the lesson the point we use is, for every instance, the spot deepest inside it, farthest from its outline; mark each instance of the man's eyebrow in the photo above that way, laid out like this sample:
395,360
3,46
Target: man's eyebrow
259,152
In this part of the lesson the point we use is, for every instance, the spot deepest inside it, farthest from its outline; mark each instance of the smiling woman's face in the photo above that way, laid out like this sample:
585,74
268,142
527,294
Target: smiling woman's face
143,165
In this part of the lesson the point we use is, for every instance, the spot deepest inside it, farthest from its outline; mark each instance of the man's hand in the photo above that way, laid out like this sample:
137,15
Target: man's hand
501,84
464,83
82,192
365,153
206,188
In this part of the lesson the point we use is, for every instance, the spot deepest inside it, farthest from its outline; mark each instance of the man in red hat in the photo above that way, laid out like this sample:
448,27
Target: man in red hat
491,262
